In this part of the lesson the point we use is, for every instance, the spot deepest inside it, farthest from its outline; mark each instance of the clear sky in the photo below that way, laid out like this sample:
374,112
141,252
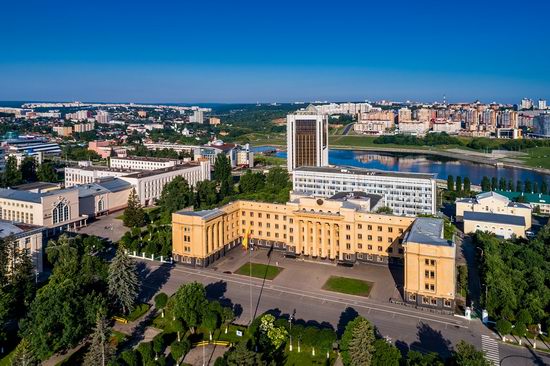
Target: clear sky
249,51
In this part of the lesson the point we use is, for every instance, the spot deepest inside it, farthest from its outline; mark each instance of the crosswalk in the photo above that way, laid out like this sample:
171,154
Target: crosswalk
490,347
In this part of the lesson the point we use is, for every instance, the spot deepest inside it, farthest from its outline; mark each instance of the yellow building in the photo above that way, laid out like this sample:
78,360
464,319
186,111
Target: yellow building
342,228
430,270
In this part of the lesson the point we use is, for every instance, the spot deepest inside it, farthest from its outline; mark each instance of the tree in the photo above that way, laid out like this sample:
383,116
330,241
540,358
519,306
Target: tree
544,187
357,342
130,357
415,358
161,299
179,327
134,215
528,188
158,344
178,349
242,356
485,184
175,195
46,173
205,194
450,183
519,186
276,335
524,317
502,184
101,350
277,179
510,186
123,281
384,210
28,169
467,355
494,184
459,184
210,322
12,175
146,351
24,355
251,182
190,304
385,354
467,185
504,327
222,175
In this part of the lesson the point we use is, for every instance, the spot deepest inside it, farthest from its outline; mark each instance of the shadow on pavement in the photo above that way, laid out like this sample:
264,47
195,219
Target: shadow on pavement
152,281
431,340
216,291
345,317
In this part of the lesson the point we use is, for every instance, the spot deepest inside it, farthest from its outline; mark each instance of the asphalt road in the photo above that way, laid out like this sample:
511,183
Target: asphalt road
408,329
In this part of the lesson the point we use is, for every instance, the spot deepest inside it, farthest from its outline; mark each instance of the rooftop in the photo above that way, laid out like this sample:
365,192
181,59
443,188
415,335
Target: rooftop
427,230
145,158
36,186
26,196
8,228
494,218
360,171
205,214
150,173
529,197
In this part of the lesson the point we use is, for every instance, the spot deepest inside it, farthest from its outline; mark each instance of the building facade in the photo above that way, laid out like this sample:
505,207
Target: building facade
141,163
307,138
27,237
407,194
341,229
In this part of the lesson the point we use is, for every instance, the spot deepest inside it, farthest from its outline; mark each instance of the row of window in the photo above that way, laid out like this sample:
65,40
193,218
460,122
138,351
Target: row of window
431,301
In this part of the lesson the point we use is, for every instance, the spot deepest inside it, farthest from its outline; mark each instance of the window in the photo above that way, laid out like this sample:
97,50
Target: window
432,262
433,301
412,297
276,217
348,246
100,205
260,215
427,262
379,228
390,240
348,237
426,274
447,303
268,216
432,287
359,246
359,236
379,248
359,226
348,227
400,231
426,286
425,300
369,237
60,213
370,247
380,239
369,227
390,230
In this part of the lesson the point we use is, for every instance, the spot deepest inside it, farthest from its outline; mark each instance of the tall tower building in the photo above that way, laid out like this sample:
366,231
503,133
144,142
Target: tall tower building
307,138
542,104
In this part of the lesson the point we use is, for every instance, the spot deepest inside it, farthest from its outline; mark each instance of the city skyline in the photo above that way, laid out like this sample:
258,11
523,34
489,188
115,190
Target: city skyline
245,53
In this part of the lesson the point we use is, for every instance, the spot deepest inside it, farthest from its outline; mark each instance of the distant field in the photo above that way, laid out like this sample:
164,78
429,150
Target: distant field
538,157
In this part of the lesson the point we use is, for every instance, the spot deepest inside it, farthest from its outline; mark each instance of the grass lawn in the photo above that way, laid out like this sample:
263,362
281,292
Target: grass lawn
538,157
137,313
259,270
351,286
269,160
6,360
219,334
305,358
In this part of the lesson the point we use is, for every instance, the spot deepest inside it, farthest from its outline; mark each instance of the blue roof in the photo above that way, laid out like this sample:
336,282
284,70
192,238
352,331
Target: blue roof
114,185
494,218
26,196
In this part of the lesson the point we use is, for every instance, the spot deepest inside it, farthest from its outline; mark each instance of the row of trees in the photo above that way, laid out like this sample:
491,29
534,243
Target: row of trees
502,184
516,274
29,171
458,185
431,139
82,291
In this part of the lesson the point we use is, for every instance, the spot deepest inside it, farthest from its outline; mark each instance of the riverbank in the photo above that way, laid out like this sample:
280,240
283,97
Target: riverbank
451,153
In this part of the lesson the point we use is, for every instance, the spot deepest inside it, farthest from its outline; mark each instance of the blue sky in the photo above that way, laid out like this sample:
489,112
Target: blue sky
248,51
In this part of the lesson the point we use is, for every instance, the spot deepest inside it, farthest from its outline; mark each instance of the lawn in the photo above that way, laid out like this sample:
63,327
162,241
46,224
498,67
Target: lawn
137,313
305,358
538,157
351,286
259,270
6,360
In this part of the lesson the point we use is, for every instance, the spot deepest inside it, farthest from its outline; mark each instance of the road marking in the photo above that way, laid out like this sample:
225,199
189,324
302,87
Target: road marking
258,283
490,347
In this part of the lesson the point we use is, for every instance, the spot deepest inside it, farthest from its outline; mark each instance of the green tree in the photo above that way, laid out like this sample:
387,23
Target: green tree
130,357
494,184
502,184
161,299
276,335
467,355
28,169
459,184
251,182
504,327
46,173
12,175
205,194
134,215
510,186
524,317
385,354
519,186
158,344
179,349
544,187
179,327
210,322
450,183
123,281
415,358
242,356
222,175
190,304
175,195
485,184
384,210
101,349
467,185
528,187
24,355
357,342
146,351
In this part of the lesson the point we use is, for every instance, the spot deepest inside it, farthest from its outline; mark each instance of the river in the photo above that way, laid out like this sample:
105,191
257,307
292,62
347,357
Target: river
426,163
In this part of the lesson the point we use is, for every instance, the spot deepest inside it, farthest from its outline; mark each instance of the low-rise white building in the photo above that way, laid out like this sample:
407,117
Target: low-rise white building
447,126
141,163
408,194
414,127
26,237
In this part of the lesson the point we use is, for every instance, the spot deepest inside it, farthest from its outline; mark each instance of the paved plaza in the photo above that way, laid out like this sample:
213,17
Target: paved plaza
107,227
